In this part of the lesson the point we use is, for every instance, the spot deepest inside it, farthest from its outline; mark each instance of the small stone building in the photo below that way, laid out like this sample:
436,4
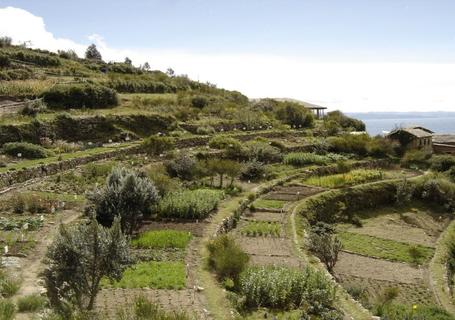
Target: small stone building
413,138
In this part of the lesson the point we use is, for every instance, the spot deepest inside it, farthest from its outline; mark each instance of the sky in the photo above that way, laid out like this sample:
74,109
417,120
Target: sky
353,55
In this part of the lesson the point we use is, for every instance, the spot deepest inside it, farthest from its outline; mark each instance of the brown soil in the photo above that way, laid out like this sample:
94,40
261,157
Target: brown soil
408,293
292,192
266,246
366,267
111,300
410,227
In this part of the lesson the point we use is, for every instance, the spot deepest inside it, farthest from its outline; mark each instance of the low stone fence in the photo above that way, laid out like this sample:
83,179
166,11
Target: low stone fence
17,176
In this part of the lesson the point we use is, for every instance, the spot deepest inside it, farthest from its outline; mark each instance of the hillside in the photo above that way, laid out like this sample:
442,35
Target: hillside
132,194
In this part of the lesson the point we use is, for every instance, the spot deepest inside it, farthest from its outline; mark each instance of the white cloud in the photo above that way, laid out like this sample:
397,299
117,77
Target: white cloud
348,86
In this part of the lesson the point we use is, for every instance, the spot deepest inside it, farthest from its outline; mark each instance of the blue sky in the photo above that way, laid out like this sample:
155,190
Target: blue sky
307,37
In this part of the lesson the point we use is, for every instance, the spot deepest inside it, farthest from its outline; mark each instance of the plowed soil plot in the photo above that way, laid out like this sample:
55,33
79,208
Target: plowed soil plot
265,246
276,261
366,267
408,293
109,300
196,229
292,192
410,226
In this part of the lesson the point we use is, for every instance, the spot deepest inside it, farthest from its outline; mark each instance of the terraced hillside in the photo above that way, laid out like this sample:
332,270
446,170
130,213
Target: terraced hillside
131,194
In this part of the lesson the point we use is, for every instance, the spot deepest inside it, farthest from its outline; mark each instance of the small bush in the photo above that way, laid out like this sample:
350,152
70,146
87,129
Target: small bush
224,142
33,107
262,151
7,310
155,145
26,150
253,171
4,61
31,303
394,311
80,96
206,130
18,203
199,102
226,258
8,286
416,159
143,309
189,204
183,167
442,163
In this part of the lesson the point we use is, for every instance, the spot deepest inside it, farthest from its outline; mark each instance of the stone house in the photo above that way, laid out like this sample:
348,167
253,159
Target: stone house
413,138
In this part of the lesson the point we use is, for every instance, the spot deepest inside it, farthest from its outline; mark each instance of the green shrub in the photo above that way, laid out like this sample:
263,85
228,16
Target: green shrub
199,102
31,303
348,143
345,121
7,310
26,150
262,151
224,142
253,171
226,258
295,115
4,61
162,239
442,163
44,60
81,95
127,194
345,179
189,204
183,167
33,107
437,190
205,130
287,288
141,86
155,145
8,286
416,159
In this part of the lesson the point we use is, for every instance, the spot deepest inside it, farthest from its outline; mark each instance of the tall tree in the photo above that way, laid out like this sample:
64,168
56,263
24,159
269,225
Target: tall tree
128,61
78,259
146,66
92,53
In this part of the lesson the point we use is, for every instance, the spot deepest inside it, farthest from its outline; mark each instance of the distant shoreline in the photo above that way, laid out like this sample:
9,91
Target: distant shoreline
377,122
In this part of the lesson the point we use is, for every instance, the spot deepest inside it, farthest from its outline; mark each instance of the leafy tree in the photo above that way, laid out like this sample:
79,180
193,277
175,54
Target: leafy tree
68,54
325,245
128,61
154,145
223,167
79,258
170,72
5,42
92,53
127,194
253,171
146,66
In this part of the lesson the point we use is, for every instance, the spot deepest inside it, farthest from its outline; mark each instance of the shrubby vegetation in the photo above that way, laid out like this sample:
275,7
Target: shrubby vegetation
143,309
26,150
344,121
82,95
324,243
353,177
127,194
155,145
226,258
287,288
189,204
300,159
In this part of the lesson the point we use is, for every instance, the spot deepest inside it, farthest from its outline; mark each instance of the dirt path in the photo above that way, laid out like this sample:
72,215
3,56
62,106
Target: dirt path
33,265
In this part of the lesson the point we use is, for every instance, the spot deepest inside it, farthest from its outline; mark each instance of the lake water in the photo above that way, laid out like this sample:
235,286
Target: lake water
377,122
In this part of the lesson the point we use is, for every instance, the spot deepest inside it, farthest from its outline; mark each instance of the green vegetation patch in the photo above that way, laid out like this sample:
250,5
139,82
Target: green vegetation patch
269,204
31,303
162,239
346,179
300,159
152,274
261,229
189,204
384,248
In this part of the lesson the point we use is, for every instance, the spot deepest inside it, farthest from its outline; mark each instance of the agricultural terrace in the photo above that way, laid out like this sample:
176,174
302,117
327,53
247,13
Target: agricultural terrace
128,193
